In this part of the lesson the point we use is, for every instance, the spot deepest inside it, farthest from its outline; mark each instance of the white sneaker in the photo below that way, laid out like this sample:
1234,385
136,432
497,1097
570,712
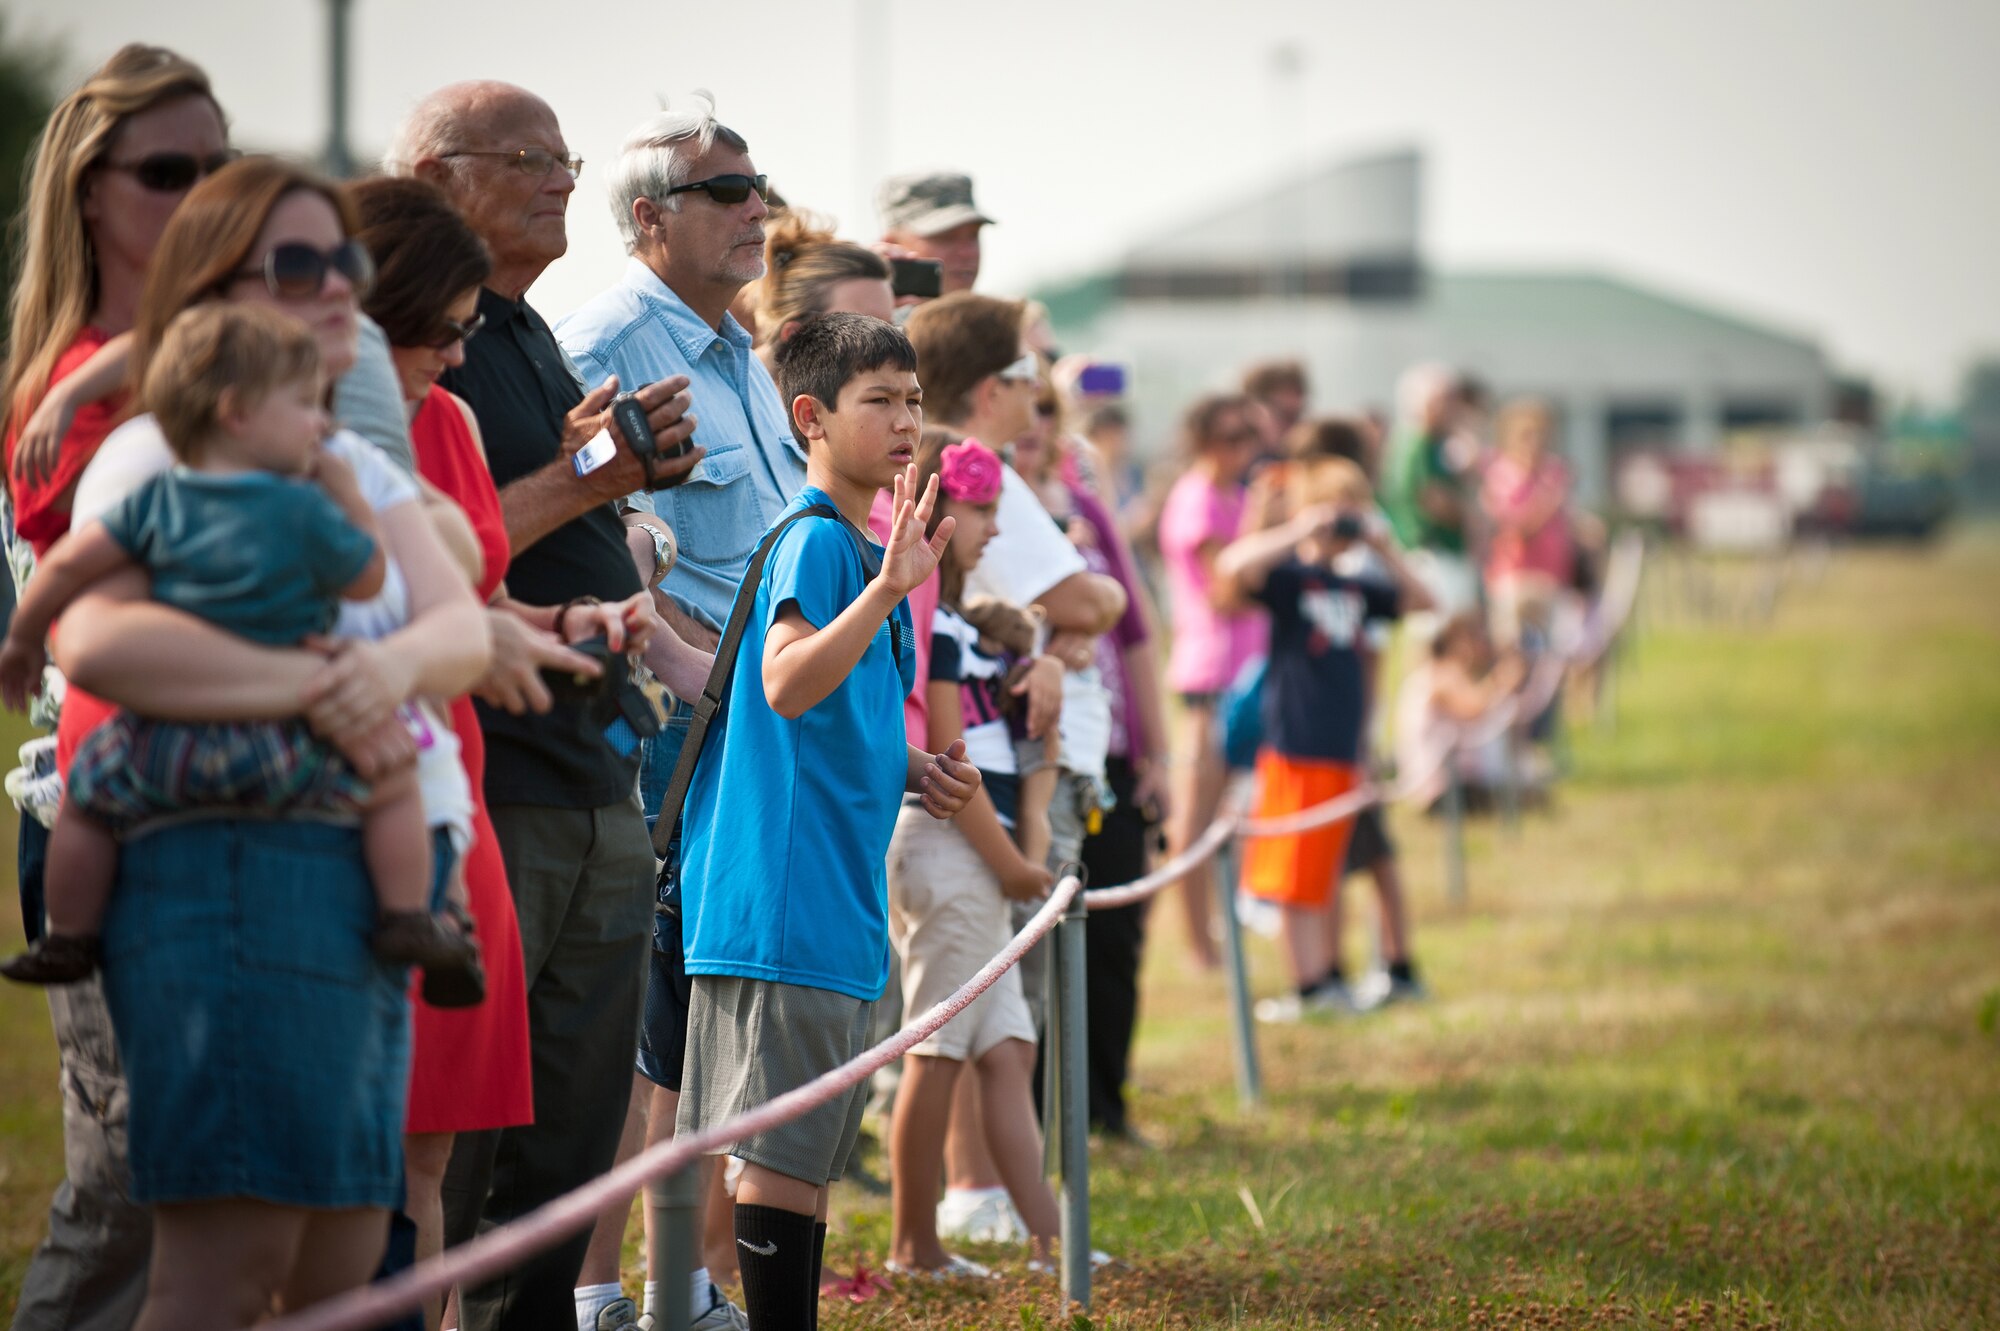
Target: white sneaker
621,1314
983,1215
722,1315
1379,989
954,1268
1331,1000
1280,1011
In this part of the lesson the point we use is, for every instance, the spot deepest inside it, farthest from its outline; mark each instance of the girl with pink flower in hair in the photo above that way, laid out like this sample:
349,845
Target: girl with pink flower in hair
949,888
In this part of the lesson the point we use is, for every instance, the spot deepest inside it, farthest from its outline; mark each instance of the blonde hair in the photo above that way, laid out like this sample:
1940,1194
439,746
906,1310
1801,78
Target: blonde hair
1520,413
1334,480
216,348
803,262
57,284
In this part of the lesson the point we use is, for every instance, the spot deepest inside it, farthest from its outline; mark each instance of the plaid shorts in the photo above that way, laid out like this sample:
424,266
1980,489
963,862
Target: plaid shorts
130,770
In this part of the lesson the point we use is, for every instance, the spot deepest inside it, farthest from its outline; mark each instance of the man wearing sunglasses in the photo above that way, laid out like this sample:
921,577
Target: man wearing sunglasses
691,207
578,858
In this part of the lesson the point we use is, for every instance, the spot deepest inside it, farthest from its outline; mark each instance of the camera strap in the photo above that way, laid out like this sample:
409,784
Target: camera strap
726,651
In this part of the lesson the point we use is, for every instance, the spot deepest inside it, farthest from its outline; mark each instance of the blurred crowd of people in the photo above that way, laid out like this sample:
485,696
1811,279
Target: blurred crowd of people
368,611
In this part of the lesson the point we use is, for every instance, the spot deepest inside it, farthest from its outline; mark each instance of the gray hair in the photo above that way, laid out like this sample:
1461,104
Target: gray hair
657,155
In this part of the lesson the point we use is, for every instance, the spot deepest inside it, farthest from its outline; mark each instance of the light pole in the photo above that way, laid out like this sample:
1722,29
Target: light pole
339,161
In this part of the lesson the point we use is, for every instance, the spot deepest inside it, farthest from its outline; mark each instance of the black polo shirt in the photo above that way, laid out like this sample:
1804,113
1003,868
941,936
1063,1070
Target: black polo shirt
520,387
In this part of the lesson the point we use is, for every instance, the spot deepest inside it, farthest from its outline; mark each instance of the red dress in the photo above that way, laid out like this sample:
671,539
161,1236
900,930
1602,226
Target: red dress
469,1067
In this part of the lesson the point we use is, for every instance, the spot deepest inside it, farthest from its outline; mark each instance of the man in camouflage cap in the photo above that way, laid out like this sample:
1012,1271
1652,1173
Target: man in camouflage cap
931,214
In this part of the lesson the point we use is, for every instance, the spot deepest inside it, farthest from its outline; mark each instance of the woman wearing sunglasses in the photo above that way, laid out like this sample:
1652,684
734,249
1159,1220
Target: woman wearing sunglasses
469,1068
266,1050
114,161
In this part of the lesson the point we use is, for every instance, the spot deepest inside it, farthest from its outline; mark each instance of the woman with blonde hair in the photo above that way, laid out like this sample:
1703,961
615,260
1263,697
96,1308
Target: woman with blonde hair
113,163
808,271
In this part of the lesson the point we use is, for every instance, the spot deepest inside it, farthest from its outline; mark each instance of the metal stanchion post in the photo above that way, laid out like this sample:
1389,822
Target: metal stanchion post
1454,832
1073,1101
1249,1079
677,1198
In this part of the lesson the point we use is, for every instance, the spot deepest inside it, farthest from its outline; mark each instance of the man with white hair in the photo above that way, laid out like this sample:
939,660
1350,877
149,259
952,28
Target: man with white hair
578,858
690,206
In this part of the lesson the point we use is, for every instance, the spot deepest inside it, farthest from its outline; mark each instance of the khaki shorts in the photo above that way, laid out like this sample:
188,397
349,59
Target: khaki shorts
947,919
750,1041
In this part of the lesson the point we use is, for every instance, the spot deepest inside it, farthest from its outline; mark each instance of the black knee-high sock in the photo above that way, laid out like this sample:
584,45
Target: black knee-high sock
819,1264
774,1253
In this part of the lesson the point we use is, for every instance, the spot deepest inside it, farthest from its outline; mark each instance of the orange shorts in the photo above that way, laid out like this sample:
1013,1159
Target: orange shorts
1298,870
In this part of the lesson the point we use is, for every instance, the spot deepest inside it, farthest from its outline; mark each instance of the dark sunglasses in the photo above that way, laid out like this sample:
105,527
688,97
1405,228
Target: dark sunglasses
170,173
728,189
451,330
295,270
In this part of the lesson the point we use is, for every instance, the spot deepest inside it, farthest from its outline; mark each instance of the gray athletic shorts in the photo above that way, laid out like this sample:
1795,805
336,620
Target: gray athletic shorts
750,1041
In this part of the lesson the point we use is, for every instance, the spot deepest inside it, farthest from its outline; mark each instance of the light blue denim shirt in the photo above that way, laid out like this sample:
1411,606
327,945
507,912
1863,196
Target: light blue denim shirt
641,331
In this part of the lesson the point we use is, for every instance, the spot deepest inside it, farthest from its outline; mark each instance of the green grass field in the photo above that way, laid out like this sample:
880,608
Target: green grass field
1713,1044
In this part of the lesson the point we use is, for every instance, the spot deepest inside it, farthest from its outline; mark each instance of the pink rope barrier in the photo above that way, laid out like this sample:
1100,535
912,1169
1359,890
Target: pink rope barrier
498,1249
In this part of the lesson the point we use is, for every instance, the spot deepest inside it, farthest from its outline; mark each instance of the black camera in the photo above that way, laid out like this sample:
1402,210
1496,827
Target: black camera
613,701
916,277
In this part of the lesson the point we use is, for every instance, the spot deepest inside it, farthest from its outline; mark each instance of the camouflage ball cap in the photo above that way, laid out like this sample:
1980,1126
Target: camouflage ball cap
927,203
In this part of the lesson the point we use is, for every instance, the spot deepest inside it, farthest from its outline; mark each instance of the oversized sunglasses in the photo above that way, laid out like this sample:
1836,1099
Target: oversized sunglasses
296,271
732,189
1026,370
170,173
536,162
451,330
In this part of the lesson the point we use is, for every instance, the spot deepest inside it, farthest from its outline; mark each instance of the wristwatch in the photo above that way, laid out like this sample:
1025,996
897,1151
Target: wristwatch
664,552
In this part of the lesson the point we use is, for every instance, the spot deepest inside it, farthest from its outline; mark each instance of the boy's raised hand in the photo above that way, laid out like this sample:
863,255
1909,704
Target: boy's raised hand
910,557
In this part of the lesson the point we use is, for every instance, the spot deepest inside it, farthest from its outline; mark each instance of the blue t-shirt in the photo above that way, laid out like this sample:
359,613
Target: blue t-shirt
1316,688
788,822
260,555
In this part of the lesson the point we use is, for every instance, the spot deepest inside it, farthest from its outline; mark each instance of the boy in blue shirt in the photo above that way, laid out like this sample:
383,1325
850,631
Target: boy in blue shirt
784,890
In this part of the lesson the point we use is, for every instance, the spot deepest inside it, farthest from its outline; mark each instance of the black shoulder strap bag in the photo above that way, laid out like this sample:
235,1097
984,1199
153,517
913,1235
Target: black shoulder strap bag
710,702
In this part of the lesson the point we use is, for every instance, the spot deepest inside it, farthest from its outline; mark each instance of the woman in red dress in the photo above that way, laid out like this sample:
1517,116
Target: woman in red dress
469,1068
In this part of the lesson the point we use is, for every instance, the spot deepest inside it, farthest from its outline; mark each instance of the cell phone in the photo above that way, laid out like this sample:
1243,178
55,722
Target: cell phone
1349,527
916,277
1099,379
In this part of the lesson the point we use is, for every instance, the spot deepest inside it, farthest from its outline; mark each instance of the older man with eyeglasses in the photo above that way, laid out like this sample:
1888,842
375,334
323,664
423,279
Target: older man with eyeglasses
571,832
690,207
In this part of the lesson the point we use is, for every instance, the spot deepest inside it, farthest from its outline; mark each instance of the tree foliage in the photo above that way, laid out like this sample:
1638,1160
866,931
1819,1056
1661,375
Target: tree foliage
27,95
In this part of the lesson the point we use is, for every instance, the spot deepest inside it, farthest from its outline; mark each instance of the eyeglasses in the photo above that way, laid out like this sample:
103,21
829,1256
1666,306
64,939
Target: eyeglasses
170,173
451,331
295,271
536,162
732,189
1026,370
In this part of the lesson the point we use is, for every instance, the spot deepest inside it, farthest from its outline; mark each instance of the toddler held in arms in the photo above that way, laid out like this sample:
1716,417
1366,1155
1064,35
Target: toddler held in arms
260,531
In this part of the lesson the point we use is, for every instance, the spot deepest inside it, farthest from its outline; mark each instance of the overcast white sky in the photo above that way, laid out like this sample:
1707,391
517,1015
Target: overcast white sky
1828,165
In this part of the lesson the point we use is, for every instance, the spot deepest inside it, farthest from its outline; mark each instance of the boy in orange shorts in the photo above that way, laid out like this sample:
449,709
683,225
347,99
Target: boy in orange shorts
1315,700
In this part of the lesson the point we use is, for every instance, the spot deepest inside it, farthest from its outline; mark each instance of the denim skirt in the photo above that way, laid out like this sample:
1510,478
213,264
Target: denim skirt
267,1051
